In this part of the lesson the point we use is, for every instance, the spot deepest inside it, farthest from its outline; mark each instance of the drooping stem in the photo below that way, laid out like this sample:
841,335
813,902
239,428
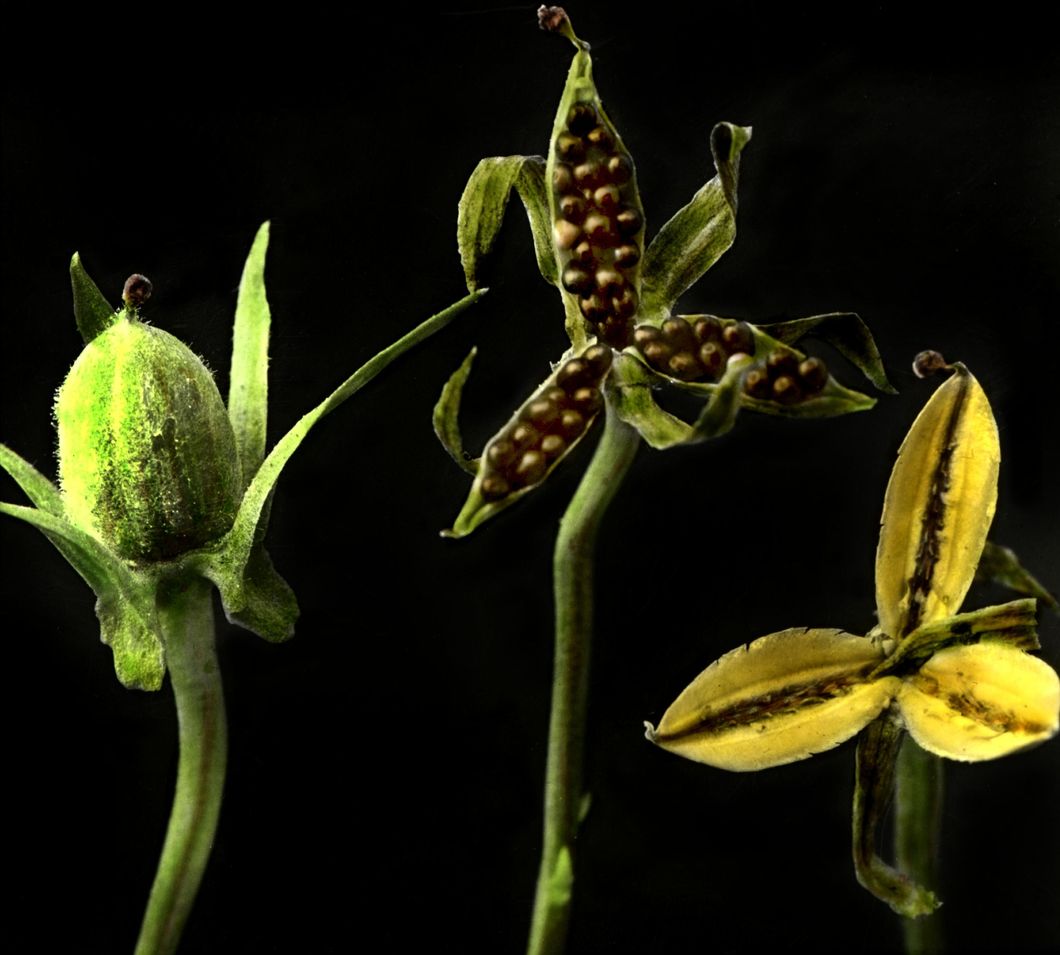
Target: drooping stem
186,617
572,583
917,808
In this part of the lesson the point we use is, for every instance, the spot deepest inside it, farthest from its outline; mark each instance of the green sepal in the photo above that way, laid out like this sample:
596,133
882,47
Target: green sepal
844,331
125,605
835,399
248,389
446,417
228,564
632,397
1014,623
42,492
260,600
483,204
92,311
698,234
1000,565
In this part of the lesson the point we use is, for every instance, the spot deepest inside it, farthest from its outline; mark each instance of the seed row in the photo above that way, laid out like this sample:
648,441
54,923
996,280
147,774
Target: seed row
546,426
701,350
599,225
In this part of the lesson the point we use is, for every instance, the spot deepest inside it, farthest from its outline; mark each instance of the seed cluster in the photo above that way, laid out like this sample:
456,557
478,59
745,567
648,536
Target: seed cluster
599,223
546,426
697,350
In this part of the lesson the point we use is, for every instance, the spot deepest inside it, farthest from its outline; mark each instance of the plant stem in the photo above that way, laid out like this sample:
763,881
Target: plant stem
572,582
186,617
918,803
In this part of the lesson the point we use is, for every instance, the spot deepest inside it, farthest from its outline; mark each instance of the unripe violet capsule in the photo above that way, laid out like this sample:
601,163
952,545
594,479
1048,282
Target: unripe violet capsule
147,457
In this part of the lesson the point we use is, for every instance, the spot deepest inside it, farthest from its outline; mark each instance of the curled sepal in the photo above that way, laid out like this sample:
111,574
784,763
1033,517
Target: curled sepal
938,507
782,698
248,389
483,204
980,702
844,331
92,312
42,492
1000,565
260,601
447,414
125,599
536,438
631,394
697,236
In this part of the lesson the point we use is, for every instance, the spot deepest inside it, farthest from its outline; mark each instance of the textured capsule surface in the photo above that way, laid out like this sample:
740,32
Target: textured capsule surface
147,457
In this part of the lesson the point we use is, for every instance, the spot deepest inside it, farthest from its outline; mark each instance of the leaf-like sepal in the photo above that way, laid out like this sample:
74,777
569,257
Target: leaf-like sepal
698,234
782,698
446,417
1000,565
938,507
92,311
42,492
980,702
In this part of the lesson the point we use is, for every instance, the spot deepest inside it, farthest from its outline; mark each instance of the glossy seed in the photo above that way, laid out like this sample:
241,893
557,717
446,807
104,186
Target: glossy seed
625,303
657,352
594,308
587,175
615,331
606,197
738,338
556,395
494,487
583,252
679,333
707,329
542,412
601,137
684,365
609,282
587,400
531,467
567,233
570,148
598,228
786,390
562,178
598,358
712,358
581,118
780,362
577,280
757,383
626,256
500,452
643,334
620,169
573,375
552,445
524,435
571,423
572,209
628,222
813,375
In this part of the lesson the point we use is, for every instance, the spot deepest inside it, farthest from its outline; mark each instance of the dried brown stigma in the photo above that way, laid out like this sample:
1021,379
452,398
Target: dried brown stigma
546,426
598,222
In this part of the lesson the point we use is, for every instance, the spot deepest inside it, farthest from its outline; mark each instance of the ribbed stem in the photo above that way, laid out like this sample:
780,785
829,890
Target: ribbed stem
186,616
572,582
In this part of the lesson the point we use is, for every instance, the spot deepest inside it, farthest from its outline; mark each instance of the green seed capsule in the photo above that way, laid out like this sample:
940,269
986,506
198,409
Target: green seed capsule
147,457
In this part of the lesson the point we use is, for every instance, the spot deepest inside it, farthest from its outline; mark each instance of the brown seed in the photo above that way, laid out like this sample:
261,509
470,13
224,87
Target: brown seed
500,452
573,375
577,280
684,365
609,282
780,362
541,412
626,256
712,358
556,395
566,233
756,384
583,252
620,169
572,209
494,487
598,358
598,228
615,331
625,303
601,137
531,467
570,148
707,329
587,175
629,221
606,197
594,308
571,423
679,333
552,445
813,375
524,435
562,178
737,337
643,334
658,353
581,118
587,400
786,390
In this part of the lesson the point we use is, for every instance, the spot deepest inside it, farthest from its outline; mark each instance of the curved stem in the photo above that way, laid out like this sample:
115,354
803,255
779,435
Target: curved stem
918,805
572,582
186,615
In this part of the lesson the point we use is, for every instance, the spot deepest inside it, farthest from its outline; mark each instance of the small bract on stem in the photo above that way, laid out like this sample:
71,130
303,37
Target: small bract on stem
165,489
626,345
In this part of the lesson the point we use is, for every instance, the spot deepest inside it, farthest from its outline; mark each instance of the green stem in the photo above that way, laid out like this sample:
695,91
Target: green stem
186,615
918,805
572,581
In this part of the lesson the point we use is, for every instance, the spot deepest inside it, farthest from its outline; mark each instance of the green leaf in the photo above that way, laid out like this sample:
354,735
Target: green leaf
125,608
249,380
847,333
696,237
483,204
447,413
92,311
1000,565
227,566
42,492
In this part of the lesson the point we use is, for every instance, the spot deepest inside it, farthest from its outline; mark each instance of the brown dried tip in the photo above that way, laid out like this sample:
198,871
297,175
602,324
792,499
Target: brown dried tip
928,363
551,18
137,290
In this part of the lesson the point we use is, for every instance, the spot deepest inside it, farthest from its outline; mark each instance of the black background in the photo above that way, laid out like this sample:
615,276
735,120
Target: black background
386,765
